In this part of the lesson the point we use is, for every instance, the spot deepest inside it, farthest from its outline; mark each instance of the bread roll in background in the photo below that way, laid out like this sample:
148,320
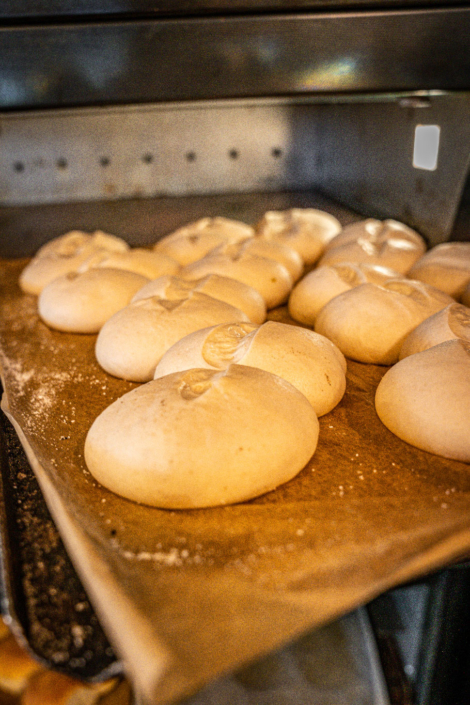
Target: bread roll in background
388,243
81,302
131,343
202,438
322,284
194,240
377,231
465,298
310,362
66,254
306,230
231,291
148,263
270,278
451,322
277,251
425,400
445,266
369,322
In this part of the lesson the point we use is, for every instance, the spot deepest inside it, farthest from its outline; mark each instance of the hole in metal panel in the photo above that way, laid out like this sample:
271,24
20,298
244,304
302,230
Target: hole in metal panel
62,163
105,161
426,147
18,166
276,152
191,156
233,154
147,158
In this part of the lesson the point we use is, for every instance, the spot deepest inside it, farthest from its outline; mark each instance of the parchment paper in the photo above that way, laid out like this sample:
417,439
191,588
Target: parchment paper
186,596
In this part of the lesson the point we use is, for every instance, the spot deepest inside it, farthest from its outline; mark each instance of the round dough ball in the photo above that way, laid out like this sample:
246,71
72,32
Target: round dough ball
270,278
451,322
287,256
310,362
389,244
306,230
202,438
65,254
324,283
425,400
193,241
446,266
377,231
138,259
131,343
231,291
81,302
369,322
465,298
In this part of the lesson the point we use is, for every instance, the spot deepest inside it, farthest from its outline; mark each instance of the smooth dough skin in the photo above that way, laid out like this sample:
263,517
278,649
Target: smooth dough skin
131,343
195,240
81,302
225,289
453,321
202,438
64,254
445,266
322,284
369,322
306,230
310,362
425,400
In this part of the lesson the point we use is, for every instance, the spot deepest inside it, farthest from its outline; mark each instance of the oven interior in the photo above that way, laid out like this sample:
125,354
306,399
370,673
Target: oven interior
257,106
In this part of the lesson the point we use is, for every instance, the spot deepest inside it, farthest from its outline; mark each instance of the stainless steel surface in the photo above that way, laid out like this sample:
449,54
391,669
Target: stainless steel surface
360,152
18,9
367,160
68,64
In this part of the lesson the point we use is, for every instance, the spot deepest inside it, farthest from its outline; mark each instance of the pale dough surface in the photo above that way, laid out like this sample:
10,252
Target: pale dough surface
306,230
369,322
453,321
131,343
445,266
66,254
202,438
425,400
310,362
81,302
231,291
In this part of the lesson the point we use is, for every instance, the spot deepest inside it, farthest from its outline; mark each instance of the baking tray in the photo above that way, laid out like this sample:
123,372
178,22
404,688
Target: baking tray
367,513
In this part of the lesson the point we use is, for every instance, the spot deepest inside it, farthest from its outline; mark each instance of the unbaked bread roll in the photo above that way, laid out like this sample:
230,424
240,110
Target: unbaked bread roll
306,230
131,343
231,291
284,254
16,666
451,322
81,302
138,259
369,322
377,231
324,283
445,266
65,254
465,298
195,240
270,278
389,244
425,400
202,438
310,362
